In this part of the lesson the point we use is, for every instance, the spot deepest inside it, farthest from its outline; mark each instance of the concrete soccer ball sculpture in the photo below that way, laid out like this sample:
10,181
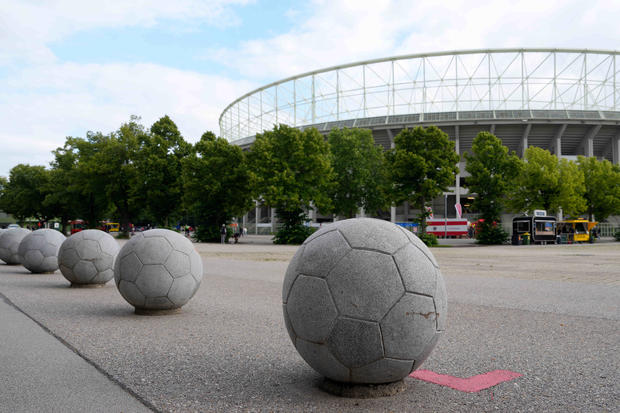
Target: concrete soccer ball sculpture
38,251
9,244
364,301
158,270
86,258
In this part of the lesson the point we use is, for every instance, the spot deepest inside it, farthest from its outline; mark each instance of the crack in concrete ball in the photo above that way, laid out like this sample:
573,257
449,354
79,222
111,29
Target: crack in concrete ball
38,251
87,257
158,269
364,301
9,244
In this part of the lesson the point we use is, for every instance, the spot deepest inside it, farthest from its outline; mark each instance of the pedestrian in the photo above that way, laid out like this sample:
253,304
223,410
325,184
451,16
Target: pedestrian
223,233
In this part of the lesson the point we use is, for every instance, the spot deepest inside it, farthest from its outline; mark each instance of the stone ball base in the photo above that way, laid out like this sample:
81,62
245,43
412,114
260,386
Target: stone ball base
146,311
361,391
74,285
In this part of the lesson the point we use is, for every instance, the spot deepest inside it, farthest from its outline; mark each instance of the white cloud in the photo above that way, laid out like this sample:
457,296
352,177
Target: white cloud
338,32
27,27
46,103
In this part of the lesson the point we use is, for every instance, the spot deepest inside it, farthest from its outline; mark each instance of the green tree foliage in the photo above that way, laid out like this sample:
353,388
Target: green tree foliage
359,173
109,162
422,165
63,196
602,187
544,182
217,184
24,193
158,162
293,171
492,170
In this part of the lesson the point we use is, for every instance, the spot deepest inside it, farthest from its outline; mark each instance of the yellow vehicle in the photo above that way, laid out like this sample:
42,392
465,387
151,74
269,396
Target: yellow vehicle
110,226
575,230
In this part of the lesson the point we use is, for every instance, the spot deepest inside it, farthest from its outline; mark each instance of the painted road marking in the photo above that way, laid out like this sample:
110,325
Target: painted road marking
471,384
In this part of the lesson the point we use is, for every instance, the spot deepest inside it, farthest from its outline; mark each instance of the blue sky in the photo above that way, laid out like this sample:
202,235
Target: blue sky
70,66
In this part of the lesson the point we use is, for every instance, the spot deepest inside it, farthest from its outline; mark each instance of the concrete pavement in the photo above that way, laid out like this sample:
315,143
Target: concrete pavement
550,313
39,373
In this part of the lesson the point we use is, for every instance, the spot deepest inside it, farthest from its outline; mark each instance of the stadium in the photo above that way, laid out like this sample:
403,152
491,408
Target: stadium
563,100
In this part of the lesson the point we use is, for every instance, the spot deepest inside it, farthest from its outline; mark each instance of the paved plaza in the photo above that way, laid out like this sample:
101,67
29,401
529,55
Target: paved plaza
550,313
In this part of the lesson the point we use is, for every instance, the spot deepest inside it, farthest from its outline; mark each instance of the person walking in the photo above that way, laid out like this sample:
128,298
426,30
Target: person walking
223,233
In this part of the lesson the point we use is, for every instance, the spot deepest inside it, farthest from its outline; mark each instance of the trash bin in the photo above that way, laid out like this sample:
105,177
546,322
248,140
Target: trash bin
526,239
516,240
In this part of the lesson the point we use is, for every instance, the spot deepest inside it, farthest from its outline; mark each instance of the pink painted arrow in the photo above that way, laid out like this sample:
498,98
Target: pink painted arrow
471,384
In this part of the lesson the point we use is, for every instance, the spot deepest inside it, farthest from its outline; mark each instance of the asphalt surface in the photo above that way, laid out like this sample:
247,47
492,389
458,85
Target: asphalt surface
551,313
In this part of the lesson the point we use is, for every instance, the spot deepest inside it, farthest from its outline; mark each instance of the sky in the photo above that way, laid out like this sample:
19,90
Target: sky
72,66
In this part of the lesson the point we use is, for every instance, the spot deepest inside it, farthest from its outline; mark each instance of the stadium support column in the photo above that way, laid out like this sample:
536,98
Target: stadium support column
588,141
557,141
615,149
526,134
256,217
457,148
273,220
392,208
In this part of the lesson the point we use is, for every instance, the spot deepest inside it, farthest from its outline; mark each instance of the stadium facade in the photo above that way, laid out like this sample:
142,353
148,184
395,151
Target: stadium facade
563,100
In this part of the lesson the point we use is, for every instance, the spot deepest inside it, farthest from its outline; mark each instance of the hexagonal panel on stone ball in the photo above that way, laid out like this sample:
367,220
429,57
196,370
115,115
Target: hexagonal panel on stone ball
355,343
417,242
104,262
320,358
374,234
177,264
68,257
154,281
36,240
50,250
409,326
33,258
322,254
416,269
85,271
129,267
311,309
182,290
103,277
88,249
365,284
131,293
153,250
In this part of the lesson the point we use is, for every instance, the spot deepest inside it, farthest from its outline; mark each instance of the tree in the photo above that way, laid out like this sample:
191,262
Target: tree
62,194
158,163
110,164
87,185
545,182
359,173
422,165
491,170
602,187
217,184
293,171
25,192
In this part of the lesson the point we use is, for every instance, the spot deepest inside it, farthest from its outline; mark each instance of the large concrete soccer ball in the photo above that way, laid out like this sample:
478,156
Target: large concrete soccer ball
87,257
38,251
364,301
9,243
158,269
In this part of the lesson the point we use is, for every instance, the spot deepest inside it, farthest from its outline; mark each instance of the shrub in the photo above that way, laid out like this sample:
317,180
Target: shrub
296,234
617,235
491,235
429,239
